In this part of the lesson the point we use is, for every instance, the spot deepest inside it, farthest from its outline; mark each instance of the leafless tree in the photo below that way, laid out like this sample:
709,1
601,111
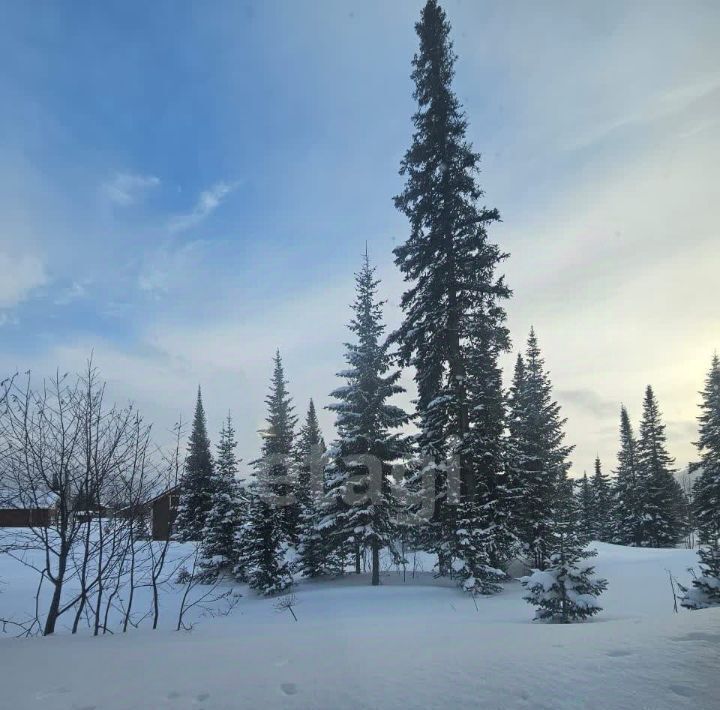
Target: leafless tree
64,449
287,603
212,600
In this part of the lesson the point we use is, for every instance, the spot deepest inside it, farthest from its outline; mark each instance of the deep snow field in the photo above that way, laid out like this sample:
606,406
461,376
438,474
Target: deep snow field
414,644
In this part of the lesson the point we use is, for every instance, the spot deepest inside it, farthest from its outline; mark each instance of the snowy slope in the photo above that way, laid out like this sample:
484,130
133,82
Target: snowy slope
419,644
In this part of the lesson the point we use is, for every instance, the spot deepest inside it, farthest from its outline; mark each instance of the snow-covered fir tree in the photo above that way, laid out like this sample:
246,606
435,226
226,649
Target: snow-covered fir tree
537,457
567,589
706,490
661,525
359,512
495,489
196,485
278,450
218,552
262,545
309,443
628,494
314,556
705,590
472,563
450,266
264,540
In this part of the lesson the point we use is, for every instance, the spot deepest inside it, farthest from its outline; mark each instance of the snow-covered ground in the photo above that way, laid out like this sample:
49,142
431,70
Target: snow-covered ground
418,644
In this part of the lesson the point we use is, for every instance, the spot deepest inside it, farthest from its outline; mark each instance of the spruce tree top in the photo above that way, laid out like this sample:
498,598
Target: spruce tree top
708,443
544,425
280,419
364,418
652,451
310,434
199,459
447,254
227,461
627,456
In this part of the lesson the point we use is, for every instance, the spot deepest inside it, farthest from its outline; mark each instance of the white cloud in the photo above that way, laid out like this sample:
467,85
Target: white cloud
73,292
20,275
207,203
126,189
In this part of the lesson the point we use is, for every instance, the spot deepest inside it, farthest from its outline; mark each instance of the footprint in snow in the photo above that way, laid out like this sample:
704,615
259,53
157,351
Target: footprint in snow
618,654
684,691
289,688
44,694
201,697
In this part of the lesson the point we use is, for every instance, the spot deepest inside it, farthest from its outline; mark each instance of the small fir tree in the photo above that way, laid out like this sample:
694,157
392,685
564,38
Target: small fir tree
567,589
262,547
228,506
705,589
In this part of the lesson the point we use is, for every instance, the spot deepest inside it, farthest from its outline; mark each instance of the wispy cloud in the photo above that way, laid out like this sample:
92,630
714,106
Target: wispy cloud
20,276
168,265
590,401
75,291
126,189
207,203
654,108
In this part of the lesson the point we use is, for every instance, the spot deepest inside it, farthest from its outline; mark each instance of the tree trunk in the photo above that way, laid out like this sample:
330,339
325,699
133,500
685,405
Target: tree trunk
375,563
357,558
54,609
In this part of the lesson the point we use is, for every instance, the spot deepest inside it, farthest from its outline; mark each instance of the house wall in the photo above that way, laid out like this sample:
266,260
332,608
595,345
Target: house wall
24,517
164,510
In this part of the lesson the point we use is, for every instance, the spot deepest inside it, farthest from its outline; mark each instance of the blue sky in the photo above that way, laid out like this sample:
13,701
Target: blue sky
185,187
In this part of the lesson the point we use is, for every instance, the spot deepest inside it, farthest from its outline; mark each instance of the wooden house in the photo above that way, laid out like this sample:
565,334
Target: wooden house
164,510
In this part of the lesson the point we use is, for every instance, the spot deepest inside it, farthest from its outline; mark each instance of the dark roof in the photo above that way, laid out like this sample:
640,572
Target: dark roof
169,491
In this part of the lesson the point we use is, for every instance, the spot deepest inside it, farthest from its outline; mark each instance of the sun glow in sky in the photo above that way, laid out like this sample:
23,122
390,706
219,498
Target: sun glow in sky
185,187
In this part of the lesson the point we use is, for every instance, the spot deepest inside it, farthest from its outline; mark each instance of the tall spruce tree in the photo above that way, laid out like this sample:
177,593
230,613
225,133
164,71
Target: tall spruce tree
601,504
197,483
360,512
628,493
661,522
228,506
537,457
706,490
264,541
450,265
